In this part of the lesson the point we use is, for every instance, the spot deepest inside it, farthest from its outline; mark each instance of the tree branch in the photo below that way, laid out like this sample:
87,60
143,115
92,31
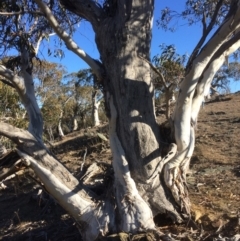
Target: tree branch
229,47
6,73
71,45
36,48
157,72
21,13
204,36
6,172
204,23
87,9
7,83
15,134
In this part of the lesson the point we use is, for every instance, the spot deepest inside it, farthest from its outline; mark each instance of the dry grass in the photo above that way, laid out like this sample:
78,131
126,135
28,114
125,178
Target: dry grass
26,213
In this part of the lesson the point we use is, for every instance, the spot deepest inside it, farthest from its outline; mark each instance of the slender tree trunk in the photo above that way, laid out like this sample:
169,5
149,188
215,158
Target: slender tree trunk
75,113
60,131
25,87
75,123
95,106
50,133
170,98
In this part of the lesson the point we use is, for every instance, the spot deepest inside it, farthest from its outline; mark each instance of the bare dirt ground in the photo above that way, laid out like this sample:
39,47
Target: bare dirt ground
27,213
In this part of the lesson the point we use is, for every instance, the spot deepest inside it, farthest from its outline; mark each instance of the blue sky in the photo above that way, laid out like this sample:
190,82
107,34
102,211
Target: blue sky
184,38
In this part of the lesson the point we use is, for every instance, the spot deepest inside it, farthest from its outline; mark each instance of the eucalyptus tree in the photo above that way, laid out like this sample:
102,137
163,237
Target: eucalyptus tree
10,104
81,85
147,181
227,73
168,71
23,29
96,101
217,18
51,93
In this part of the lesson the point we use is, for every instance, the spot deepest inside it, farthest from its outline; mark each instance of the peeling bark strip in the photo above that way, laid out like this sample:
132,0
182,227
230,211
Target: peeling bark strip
135,214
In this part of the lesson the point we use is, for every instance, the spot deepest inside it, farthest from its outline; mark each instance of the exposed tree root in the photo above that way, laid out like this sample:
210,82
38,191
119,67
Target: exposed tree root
175,179
175,175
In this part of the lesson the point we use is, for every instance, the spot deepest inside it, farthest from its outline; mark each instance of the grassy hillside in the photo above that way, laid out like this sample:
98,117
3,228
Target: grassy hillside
27,213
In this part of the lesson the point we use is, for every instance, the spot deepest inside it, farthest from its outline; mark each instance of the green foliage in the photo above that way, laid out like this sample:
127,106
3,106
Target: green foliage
226,73
170,64
195,11
10,106
11,110
70,94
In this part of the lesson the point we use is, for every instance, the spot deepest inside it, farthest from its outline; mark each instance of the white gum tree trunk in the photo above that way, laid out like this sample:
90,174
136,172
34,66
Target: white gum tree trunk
95,106
123,39
187,106
145,183
204,83
60,130
135,213
75,123
24,85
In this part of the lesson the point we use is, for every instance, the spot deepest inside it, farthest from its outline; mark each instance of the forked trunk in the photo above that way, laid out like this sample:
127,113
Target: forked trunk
124,43
145,183
190,97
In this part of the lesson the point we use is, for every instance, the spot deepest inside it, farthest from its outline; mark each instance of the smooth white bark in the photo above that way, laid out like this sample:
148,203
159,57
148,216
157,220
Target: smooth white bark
182,115
82,210
96,121
60,131
203,87
75,123
175,170
96,103
24,85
